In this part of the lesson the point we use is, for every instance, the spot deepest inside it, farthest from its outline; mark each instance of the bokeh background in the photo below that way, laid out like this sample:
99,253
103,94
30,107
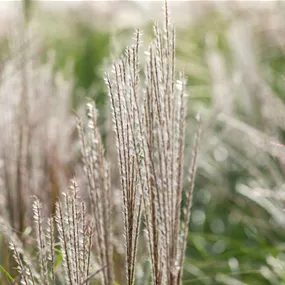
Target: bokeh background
53,55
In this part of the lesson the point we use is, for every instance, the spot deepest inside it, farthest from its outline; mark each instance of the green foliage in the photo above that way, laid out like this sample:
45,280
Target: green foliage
85,50
6,273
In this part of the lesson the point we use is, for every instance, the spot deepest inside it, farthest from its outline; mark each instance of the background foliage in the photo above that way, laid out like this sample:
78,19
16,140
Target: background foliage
233,57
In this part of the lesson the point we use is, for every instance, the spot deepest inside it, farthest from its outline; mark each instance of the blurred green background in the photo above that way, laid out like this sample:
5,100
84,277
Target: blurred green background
233,55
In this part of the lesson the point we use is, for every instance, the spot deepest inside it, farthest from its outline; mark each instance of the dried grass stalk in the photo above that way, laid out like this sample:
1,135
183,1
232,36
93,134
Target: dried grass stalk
149,123
98,177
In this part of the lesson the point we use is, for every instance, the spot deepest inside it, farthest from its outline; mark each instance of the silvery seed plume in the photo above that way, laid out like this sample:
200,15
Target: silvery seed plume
149,123
98,177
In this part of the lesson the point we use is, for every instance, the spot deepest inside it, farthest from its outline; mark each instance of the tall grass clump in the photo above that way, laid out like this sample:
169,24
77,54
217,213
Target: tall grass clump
38,153
99,189
74,236
149,123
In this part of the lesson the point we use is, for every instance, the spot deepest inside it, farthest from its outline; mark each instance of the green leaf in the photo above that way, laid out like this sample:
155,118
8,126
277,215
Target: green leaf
6,273
59,258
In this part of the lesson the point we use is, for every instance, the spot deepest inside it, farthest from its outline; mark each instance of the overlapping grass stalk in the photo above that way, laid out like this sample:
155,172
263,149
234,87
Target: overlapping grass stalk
149,122
98,178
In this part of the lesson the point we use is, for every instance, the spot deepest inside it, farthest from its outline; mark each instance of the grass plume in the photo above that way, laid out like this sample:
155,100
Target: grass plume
149,123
